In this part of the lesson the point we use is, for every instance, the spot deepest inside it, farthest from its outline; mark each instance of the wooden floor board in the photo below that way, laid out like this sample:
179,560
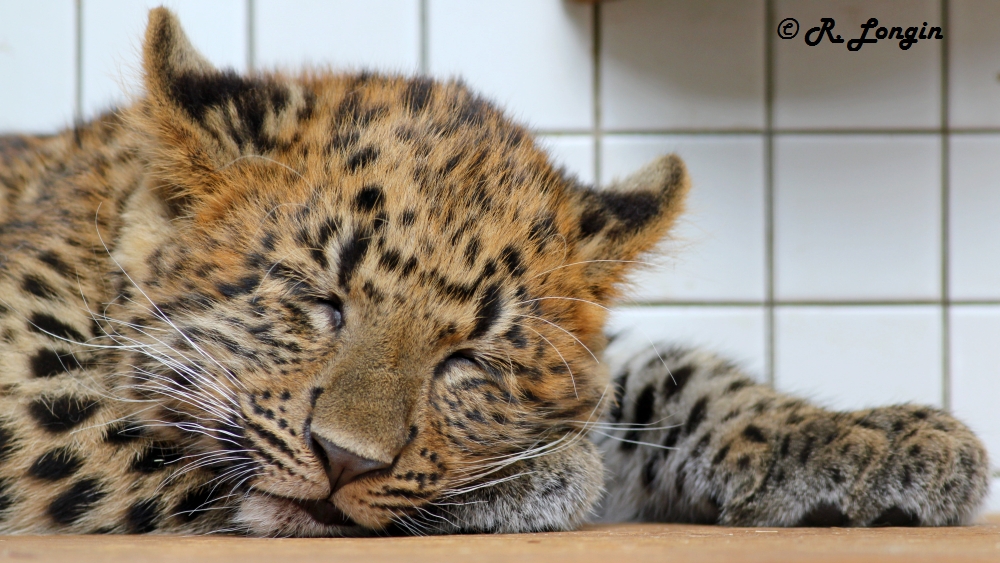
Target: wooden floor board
630,543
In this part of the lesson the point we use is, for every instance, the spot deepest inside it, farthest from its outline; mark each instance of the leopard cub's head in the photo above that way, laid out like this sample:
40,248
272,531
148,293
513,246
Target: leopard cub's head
359,297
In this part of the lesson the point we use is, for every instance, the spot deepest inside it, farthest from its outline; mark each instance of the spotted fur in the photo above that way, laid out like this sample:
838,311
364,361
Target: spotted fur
206,292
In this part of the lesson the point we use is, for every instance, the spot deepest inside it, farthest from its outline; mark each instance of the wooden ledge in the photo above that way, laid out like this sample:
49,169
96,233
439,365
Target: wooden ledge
629,543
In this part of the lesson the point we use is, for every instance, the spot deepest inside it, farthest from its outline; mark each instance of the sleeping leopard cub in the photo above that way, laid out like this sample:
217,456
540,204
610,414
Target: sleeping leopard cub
348,304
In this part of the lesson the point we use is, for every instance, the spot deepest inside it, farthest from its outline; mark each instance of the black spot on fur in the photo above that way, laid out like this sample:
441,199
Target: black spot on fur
70,506
644,405
542,229
806,450
592,221
515,336
471,252
754,434
649,471
6,497
124,432
55,464
351,256
195,503
676,381
633,210
407,218
44,323
49,363
253,100
37,287
390,260
671,440
7,442
59,414
511,258
361,158
743,462
488,311
408,267
702,444
824,515
418,94
142,516
155,457
473,110
720,455
696,416
738,384
342,140
896,516
681,477
314,396
369,198
242,286
53,260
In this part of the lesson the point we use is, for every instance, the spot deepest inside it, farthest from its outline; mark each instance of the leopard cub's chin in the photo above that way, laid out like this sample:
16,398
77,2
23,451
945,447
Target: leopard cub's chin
271,516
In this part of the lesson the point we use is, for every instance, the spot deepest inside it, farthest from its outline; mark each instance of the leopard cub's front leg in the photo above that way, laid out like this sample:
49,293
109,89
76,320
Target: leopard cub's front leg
705,443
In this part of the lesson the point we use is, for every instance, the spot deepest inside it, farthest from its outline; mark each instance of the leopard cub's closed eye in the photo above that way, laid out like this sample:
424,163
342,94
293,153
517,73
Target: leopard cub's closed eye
333,307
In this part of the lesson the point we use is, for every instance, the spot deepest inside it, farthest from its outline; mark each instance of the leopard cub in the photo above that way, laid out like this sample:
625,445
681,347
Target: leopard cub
323,304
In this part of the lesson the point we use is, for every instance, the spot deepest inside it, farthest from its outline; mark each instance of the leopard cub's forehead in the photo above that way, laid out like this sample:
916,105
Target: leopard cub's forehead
434,153
425,176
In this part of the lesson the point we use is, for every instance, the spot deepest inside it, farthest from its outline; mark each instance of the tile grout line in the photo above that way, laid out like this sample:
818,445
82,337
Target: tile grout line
423,46
598,138
251,35
769,322
945,214
78,65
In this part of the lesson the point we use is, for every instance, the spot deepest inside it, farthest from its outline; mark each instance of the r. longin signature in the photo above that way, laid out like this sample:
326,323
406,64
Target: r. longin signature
789,28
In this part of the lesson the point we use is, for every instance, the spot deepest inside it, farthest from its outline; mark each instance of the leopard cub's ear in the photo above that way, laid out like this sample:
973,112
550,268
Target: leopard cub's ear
201,118
619,224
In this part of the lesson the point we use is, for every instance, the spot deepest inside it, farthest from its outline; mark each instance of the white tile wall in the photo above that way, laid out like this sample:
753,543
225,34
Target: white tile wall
112,38
654,79
37,60
857,217
854,357
574,152
975,355
542,72
879,86
975,64
381,34
993,502
975,229
737,333
816,233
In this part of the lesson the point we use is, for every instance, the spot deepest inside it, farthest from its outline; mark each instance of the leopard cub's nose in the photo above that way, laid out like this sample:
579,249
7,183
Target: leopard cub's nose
342,466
